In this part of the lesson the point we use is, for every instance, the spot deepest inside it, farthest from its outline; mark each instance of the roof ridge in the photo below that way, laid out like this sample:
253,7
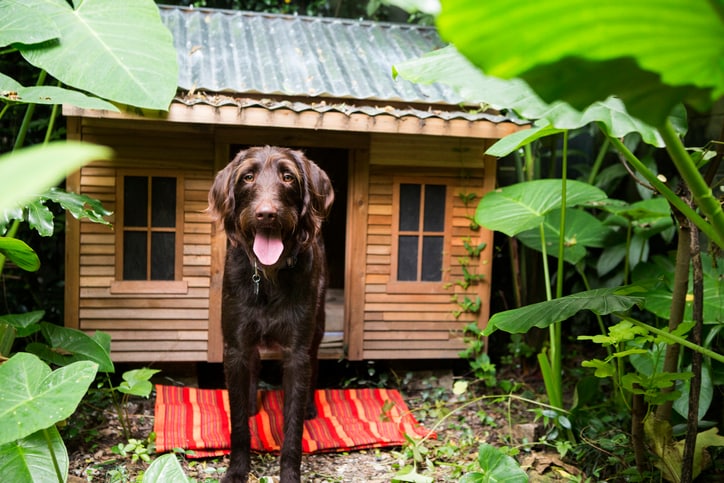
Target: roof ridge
310,18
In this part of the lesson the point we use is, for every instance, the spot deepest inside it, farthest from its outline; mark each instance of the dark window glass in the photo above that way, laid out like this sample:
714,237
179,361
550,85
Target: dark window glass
162,255
135,199
434,207
432,258
409,207
163,198
407,260
134,255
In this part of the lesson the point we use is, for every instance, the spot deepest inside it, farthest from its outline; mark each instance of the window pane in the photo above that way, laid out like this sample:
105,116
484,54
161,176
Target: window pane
434,207
134,255
135,200
407,259
163,198
409,207
432,258
162,255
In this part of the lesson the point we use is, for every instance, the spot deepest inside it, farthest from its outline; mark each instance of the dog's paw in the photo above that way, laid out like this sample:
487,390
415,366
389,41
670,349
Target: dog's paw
233,477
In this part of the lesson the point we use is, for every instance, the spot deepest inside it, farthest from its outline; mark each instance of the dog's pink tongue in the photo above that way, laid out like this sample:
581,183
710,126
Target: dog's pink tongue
268,246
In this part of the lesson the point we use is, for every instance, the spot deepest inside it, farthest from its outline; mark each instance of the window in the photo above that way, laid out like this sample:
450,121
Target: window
150,228
420,236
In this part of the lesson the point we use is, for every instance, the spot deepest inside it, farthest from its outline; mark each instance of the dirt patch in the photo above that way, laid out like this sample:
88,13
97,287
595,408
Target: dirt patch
461,423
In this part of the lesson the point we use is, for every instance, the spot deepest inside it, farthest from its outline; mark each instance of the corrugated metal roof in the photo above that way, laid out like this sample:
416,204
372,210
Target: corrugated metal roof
253,53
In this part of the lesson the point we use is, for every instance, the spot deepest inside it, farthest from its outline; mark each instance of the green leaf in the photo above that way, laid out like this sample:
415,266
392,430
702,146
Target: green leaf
706,394
18,252
448,66
30,459
68,345
517,140
40,217
34,397
601,301
128,54
20,23
582,230
520,207
11,91
25,324
497,467
48,164
164,469
80,206
137,382
581,52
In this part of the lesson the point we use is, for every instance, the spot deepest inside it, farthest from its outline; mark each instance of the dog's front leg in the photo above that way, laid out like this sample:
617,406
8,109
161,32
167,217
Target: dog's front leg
296,388
238,381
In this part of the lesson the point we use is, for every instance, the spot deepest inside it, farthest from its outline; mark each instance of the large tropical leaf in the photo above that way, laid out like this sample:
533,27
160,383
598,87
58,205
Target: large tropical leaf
520,207
600,301
20,23
582,230
66,345
12,91
30,459
650,54
33,397
26,323
448,66
117,50
48,164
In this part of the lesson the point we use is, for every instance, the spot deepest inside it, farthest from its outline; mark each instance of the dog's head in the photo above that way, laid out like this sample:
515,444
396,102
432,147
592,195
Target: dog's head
271,201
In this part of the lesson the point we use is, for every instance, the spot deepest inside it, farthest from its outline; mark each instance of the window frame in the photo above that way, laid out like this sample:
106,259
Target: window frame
175,286
420,286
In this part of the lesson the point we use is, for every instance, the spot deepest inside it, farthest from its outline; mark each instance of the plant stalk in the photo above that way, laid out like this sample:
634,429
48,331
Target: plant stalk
56,465
692,420
695,181
678,304
667,193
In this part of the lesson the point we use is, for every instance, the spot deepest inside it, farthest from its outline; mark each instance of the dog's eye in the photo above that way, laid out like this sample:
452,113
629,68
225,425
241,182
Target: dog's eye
248,178
287,177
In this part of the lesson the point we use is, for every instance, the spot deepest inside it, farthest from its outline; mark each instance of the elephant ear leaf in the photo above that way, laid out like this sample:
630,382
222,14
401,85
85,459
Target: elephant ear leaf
670,54
599,301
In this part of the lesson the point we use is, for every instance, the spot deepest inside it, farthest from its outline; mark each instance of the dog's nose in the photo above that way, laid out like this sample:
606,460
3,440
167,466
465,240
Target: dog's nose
266,212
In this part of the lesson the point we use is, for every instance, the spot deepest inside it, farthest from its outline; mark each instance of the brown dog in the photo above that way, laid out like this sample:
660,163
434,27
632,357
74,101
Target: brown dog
272,202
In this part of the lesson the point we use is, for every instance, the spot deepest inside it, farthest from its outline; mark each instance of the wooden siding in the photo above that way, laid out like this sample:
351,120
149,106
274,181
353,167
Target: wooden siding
417,320
147,322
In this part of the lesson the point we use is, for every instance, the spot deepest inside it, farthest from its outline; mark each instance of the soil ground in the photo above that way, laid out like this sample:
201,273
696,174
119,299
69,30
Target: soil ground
461,427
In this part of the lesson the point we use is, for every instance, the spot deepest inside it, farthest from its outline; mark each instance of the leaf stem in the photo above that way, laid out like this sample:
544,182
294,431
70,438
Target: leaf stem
695,181
667,193
53,457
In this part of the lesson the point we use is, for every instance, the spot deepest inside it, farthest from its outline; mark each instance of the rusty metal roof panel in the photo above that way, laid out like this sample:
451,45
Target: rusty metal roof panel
268,54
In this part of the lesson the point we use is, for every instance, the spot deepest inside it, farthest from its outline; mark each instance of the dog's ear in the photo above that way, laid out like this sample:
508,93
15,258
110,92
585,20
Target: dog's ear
317,197
222,200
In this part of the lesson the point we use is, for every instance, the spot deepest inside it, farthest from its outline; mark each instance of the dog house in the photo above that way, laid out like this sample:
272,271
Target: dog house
406,162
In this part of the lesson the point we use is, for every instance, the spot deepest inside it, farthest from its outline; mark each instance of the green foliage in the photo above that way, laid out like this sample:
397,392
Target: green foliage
495,466
112,67
66,156
34,397
601,301
523,206
671,54
165,468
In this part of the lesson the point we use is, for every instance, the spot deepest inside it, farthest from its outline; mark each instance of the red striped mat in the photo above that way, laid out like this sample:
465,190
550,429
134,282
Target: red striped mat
347,419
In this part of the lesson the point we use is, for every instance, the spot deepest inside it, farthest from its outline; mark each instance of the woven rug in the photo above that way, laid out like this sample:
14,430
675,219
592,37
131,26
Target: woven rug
347,419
